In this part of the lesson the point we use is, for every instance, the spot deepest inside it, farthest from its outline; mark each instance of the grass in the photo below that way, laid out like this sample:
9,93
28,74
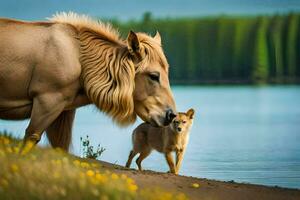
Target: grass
46,173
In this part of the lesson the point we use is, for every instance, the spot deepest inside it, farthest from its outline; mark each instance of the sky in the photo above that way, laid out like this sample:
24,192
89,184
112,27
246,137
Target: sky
133,9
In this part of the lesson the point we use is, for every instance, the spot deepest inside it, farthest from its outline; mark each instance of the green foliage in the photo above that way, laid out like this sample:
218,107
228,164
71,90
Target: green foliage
227,49
88,149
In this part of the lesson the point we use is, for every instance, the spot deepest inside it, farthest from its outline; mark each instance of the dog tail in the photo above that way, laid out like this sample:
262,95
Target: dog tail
59,133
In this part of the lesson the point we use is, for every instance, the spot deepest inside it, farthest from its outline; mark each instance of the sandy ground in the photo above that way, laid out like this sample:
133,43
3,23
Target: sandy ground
208,189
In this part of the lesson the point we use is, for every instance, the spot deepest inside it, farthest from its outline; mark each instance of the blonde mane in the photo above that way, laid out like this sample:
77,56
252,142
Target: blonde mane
84,21
108,73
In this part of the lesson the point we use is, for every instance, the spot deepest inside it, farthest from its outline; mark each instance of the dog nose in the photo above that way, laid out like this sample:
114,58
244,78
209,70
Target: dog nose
179,129
170,115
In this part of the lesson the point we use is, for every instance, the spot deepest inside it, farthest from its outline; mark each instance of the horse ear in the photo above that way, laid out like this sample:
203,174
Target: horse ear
157,37
133,43
190,113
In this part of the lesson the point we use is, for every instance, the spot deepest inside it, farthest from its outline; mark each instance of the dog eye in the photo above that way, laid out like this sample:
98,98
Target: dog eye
184,122
154,76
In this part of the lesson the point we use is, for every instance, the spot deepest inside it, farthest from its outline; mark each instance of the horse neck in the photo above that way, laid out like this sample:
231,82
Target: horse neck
107,72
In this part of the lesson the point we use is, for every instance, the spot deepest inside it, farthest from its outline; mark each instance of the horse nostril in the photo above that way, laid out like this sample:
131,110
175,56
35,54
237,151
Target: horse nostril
170,115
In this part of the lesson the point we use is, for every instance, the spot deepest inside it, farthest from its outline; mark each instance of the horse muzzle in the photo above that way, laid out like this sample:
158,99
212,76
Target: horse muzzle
170,115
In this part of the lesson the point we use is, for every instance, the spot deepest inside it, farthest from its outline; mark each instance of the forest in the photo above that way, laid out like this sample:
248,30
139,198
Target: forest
227,49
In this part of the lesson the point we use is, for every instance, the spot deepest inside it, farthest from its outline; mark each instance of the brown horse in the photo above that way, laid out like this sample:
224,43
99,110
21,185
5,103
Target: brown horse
48,69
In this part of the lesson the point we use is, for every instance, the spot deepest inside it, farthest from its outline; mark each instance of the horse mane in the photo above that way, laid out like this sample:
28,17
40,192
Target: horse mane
84,21
108,72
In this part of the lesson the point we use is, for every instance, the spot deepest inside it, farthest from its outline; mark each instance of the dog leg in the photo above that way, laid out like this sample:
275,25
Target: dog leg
169,158
179,157
142,156
130,157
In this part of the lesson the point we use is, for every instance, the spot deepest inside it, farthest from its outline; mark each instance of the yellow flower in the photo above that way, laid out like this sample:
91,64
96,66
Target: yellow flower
114,176
195,185
14,168
90,173
132,187
130,181
98,176
101,178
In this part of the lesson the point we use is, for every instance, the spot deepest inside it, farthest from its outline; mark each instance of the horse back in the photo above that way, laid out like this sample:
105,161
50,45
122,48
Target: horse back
28,39
35,56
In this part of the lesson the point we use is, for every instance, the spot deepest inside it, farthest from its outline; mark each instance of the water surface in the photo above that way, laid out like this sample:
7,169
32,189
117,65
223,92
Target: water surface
242,133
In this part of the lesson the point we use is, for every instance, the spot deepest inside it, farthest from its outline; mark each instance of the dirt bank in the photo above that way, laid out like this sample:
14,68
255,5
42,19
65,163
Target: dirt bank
208,189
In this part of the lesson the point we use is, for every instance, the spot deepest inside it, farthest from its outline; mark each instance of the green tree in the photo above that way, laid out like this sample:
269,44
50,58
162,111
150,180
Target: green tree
277,45
260,53
226,48
291,44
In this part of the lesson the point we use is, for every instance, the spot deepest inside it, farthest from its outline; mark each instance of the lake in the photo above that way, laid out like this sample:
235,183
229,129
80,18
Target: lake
242,133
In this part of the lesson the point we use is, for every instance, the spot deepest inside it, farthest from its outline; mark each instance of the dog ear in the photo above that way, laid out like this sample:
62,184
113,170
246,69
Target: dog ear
190,113
133,43
157,37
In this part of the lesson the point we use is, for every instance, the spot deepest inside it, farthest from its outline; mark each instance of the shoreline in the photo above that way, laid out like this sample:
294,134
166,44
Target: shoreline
207,189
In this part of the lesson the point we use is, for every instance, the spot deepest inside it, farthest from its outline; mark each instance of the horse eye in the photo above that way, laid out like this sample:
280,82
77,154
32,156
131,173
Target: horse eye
154,77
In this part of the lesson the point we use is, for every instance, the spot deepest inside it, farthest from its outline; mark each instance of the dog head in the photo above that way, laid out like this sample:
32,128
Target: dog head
183,121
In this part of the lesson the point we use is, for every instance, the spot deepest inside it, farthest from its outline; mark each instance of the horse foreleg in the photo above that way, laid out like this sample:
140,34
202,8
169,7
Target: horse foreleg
46,108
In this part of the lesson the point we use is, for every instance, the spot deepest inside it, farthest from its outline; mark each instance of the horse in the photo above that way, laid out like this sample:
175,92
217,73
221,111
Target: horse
49,69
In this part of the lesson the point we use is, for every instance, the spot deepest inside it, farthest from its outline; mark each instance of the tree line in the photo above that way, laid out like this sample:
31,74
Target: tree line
227,49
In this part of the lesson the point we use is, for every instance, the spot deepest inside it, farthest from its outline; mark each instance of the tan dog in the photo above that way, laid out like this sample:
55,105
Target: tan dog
165,140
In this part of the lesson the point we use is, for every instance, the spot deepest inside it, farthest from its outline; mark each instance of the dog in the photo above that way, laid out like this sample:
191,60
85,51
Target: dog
165,140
